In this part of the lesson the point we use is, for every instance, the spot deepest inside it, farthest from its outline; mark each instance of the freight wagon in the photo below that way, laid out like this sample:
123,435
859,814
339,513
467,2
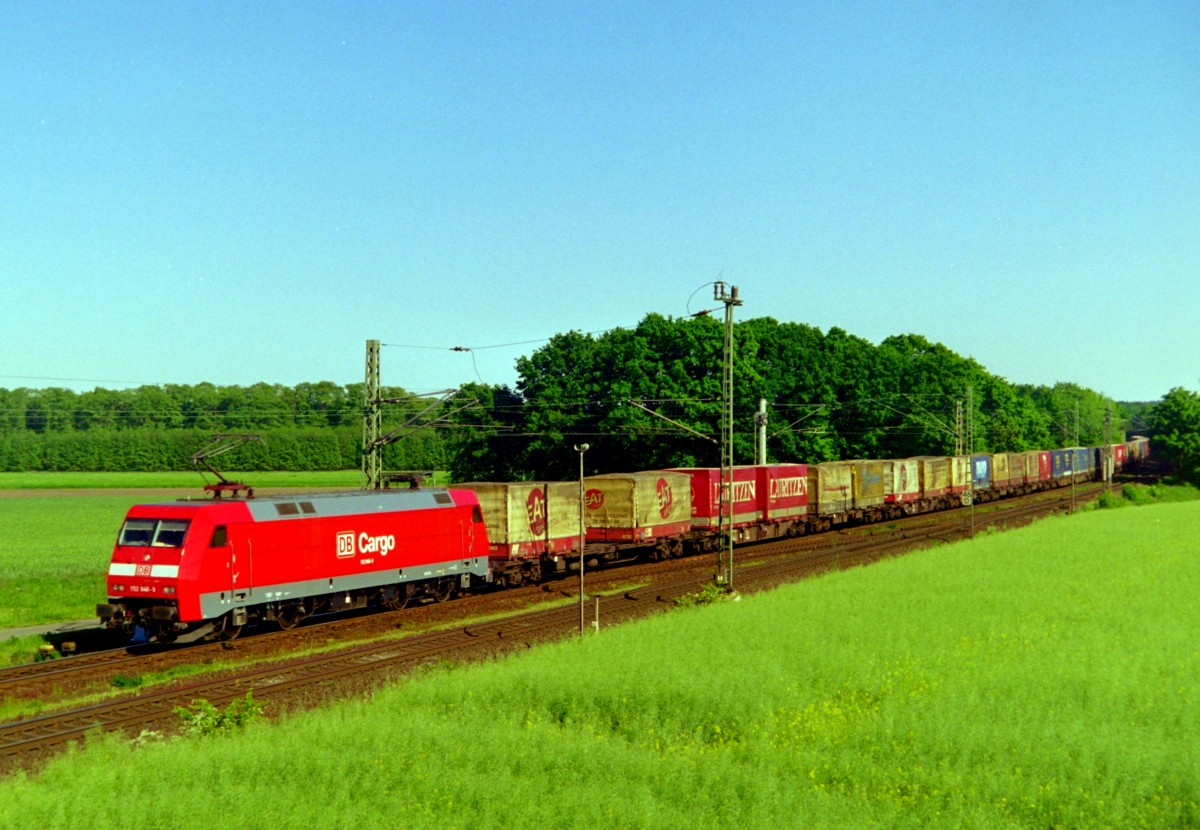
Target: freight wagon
528,524
648,509
769,501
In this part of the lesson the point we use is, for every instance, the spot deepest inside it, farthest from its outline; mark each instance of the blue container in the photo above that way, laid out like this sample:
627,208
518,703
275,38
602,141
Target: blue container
981,472
1060,463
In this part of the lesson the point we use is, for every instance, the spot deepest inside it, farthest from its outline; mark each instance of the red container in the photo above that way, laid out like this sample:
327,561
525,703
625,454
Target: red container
1044,465
706,486
1120,455
782,491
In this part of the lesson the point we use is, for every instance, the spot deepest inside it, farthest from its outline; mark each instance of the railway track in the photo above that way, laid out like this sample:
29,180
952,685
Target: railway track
289,683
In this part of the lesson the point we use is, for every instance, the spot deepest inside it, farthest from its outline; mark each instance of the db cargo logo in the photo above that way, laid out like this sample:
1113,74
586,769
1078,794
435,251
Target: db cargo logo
348,545
593,499
665,499
535,506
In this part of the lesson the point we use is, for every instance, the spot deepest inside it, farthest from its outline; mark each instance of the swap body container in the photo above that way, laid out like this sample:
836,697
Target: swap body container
870,486
960,473
783,491
706,484
1061,466
1084,461
1038,465
934,472
1119,455
902,480
526,519
981,472
637,507
761,494
842,486
830,487
1018,469
1137,448
1002,470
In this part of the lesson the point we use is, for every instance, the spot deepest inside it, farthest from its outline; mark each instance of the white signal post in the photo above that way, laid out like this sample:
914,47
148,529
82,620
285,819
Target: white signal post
581,449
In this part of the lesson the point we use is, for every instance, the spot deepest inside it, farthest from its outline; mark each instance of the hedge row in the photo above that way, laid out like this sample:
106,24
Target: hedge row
171,450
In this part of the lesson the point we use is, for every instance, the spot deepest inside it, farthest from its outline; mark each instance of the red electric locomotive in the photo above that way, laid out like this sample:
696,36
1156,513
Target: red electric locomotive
187,570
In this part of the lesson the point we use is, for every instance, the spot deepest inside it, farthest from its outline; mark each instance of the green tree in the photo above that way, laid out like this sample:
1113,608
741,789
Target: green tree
1177,432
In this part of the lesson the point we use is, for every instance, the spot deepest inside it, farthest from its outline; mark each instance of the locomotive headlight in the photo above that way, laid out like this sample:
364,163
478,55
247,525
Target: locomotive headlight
118,588
145,557
169,589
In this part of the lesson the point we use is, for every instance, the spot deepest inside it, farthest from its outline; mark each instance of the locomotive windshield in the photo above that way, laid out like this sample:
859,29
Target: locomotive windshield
159,533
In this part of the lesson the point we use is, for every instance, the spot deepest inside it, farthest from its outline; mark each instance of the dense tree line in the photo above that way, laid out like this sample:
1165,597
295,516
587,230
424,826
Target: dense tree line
830,395
642,398
200,406
312,426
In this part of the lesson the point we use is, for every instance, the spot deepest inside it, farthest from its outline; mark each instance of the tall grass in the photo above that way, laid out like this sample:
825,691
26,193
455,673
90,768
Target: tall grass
1043,678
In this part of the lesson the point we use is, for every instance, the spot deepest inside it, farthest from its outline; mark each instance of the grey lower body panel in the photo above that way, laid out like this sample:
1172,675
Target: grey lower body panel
216,603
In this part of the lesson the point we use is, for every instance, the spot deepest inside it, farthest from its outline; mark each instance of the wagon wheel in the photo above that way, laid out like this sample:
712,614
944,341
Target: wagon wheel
289,616
443,590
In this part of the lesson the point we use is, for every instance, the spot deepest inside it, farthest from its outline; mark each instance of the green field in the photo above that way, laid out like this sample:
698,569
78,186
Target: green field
1048,677
54,554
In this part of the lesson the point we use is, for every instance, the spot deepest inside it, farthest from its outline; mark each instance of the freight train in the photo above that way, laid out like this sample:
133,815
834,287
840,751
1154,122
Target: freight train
188,570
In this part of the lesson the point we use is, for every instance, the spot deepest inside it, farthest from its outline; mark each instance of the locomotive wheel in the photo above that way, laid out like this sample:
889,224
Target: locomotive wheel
289,616
228,631
443,590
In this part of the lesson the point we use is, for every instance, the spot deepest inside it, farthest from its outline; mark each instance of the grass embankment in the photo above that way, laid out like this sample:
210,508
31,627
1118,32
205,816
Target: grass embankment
1042,678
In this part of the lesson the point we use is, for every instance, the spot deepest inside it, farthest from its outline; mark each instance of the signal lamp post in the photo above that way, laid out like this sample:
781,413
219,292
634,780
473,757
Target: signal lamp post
581,449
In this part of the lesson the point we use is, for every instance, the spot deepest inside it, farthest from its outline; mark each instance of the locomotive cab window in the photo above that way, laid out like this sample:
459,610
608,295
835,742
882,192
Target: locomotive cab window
137,532
159,533
220,537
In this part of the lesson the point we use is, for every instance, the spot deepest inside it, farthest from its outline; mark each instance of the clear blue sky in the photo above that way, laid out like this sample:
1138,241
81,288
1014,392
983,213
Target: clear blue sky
243,192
